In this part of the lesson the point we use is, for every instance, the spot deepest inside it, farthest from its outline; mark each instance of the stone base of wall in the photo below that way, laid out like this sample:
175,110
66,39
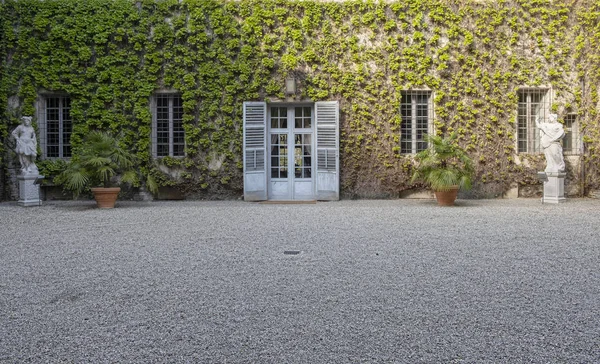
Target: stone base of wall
142,195
530,191
419,194
169,193
13,184
52,192
2,193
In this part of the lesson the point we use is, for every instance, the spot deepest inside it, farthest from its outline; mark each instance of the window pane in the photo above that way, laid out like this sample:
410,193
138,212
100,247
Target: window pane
162,150
67,127
302,118
278,117
279,160
52,102
178,137
274,156
53,139
52,151
178,150
302,155
571,139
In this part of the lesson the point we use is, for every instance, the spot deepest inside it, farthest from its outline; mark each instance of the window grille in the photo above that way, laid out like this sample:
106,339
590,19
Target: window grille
416,113
168,133
571,141
303,155
56,127
279,118
303,117
279,155
533,103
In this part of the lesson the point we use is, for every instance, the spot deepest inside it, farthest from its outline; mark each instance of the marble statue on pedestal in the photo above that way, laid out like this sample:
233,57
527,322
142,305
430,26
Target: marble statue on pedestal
29,188
551,133
26,146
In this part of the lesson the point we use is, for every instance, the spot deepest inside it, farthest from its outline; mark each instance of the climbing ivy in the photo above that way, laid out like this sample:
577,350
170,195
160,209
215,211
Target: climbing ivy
110,56
3,100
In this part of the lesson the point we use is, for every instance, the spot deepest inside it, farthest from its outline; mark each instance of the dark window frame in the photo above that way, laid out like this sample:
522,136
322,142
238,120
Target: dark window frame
168,132
55,125
416,113
532,103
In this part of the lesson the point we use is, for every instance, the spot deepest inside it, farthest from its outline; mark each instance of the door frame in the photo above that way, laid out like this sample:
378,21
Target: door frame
291,132
325,163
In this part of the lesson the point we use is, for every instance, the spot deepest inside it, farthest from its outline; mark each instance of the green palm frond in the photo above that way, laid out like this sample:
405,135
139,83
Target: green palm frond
105,173
100,159
443,164
130,177
96,161
151,184
76,181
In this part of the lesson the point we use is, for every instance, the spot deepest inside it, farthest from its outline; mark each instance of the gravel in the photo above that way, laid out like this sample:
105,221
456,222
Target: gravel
369,281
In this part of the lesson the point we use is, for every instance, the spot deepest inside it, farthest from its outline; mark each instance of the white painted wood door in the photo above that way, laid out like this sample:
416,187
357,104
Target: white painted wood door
255,150
327,116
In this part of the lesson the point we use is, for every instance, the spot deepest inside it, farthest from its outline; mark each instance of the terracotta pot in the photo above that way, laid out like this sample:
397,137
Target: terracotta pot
447,196
106,197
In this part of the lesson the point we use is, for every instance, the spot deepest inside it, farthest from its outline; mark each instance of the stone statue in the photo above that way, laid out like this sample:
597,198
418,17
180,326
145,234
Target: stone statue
26,146
551,134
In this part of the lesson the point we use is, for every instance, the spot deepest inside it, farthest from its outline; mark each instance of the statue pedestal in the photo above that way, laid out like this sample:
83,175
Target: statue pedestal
29,190
554,187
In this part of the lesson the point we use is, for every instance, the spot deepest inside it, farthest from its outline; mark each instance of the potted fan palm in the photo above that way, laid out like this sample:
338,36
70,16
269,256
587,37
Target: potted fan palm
99,161
445,167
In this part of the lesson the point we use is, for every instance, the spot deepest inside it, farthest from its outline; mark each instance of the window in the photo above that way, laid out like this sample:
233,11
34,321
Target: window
56,126
571,143
416,113
533,103
168,135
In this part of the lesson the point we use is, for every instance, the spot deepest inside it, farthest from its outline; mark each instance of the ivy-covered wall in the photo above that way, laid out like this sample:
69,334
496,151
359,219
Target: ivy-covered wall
111,55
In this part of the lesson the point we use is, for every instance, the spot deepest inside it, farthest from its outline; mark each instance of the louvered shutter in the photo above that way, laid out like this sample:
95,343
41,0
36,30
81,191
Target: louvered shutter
328,145
255,149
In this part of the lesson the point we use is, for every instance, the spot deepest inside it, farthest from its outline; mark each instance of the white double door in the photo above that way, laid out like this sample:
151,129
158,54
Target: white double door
291,146
291,152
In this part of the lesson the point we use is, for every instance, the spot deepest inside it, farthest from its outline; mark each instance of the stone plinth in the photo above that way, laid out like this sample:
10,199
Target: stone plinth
29,190
554,188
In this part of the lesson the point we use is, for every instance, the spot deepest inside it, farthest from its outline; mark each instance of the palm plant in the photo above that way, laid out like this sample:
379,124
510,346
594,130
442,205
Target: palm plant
99,160
444,164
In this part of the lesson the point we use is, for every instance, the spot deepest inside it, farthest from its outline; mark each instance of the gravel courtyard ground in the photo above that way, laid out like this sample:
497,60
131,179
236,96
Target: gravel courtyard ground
400,281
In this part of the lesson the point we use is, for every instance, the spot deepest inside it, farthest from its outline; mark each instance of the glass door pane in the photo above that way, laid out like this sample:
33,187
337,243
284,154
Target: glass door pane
279,118
279,158
302,155
302,118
